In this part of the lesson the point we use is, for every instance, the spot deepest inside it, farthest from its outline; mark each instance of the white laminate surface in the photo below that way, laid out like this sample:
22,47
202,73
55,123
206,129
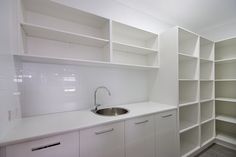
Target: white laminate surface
52,124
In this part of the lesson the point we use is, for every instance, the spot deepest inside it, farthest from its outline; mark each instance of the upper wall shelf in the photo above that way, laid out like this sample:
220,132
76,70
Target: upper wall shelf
51,32
58,35
70,61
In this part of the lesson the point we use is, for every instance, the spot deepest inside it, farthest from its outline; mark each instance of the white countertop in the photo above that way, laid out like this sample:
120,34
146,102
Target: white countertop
46,125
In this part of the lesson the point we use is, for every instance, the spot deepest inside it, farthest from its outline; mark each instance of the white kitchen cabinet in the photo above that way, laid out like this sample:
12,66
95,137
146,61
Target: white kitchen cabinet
166,134
103,141
140,137
57,146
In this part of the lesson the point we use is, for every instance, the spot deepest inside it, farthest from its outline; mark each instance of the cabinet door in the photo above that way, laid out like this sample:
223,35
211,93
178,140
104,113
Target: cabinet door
103,141
57,146
140,137
166,134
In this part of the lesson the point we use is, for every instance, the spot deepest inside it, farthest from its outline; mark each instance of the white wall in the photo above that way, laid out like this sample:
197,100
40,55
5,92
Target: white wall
9,100
119,12
49,88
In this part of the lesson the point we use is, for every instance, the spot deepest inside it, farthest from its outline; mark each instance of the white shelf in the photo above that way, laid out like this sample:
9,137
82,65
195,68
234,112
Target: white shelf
67,18
206,70
206,100
58,35
202,60
206,80
229,60
226,89
206,49
225,71
188,68
206,90
207,110
207,132
188,80
230,138
70,61
188,116
132,48
188,126
189,142
188,43
226,131
225,80
128,35
226,118
184,56
208,120
225,99
188,103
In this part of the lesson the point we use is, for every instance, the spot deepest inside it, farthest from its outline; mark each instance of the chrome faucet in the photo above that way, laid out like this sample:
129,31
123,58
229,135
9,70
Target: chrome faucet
95,96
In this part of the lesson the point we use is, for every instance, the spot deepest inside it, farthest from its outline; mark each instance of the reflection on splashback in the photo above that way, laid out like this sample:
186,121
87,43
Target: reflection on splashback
50,88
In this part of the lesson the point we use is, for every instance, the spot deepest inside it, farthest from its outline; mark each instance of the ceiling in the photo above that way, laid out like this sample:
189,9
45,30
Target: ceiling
215,19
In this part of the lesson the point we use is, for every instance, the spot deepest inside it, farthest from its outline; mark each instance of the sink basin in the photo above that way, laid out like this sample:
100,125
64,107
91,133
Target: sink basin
113,111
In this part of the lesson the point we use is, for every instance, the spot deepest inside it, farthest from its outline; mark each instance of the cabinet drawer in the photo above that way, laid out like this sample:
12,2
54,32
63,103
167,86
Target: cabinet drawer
140,137
56,146
103,141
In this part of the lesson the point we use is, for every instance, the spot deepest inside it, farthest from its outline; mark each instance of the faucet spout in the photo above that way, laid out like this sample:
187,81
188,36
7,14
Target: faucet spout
95,96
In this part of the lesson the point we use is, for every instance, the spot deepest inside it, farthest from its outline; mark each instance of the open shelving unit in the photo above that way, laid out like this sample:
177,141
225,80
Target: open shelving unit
225,88
188,92
51,32
206,90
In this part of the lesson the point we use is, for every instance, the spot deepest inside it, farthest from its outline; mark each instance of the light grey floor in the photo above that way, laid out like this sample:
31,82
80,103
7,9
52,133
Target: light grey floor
217,151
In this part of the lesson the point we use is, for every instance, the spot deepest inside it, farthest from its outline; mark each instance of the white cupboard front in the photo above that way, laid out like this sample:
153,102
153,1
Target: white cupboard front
166,134
103,141
140,137
66,145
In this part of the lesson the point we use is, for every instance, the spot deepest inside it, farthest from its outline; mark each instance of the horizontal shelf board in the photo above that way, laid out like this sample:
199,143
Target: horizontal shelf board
206,80
132,48
206,100
208,141
225,99
226,118
206,121
226,137
188,80
59,35
190,126
225,61
203,60
225,80
68,61
188,103
187,56
191,152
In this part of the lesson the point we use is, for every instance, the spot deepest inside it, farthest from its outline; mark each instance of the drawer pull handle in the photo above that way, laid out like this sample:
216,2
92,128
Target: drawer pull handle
167,116
145,121
104,131
46,146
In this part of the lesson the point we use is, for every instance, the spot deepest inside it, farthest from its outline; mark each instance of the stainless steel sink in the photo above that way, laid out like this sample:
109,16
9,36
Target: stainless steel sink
113,111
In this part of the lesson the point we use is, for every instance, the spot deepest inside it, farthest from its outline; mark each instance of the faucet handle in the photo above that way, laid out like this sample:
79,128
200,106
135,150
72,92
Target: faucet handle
96,107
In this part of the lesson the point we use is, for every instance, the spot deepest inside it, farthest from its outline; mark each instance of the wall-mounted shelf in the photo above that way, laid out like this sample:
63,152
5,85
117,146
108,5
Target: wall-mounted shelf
58,35
51,32
69,61
188,91
188,67
225,99
226,118
206,90
226,89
